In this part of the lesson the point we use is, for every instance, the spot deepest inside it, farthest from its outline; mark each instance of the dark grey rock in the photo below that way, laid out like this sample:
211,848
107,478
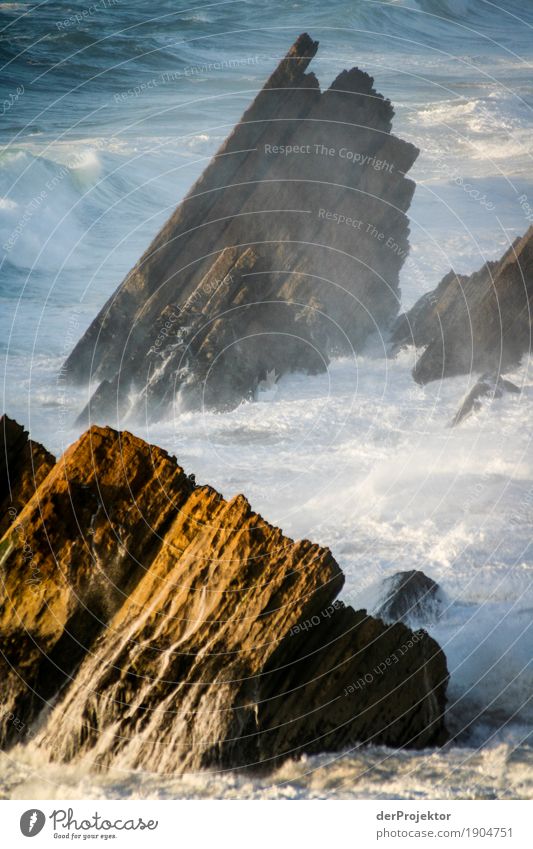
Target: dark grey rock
274,261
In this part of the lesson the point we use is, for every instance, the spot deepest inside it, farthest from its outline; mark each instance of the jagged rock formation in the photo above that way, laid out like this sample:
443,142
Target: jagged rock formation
286,251
24,464
410,597
181,630
488,387
78,549
480,323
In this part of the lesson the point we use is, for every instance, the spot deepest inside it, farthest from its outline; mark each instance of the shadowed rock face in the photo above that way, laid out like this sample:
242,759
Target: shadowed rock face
480,323
410,597
77,550
24,464
286,251
187,632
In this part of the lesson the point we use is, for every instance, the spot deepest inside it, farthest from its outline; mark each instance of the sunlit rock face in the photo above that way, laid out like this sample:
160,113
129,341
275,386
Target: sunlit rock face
286,251
163,627
477,323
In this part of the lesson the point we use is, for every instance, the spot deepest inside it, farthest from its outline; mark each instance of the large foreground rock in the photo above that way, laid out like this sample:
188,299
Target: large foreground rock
24,464
286,250
171,629
480,323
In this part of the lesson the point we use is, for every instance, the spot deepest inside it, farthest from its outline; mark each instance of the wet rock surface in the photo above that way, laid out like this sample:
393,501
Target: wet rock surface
76,551
160,626
23,466
477,323
285,252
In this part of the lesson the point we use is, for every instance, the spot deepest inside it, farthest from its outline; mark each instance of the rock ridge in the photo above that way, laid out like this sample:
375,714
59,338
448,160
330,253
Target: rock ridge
161,626
479,323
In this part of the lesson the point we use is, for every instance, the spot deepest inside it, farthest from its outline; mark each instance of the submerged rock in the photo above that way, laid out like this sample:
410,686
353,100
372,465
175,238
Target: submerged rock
410,597
489,386
480,323
24,464
167,628
286,250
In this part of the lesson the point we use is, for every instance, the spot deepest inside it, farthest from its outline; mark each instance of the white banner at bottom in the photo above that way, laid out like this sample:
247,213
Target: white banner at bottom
267,824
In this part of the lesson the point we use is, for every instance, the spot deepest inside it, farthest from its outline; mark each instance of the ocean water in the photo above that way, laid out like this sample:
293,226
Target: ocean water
106,123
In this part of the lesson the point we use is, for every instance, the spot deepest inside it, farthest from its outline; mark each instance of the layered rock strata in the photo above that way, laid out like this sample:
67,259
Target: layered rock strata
286,250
